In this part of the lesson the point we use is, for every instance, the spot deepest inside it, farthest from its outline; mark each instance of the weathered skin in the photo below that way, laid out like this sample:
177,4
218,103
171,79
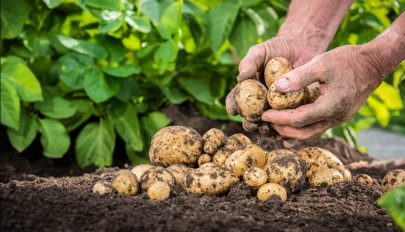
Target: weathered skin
213,139
271,189
393,179
250,156
156,174
326,177
126,183
255,177
250,96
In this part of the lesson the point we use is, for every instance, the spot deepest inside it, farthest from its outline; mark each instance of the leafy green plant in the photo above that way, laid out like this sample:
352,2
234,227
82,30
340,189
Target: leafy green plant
394,203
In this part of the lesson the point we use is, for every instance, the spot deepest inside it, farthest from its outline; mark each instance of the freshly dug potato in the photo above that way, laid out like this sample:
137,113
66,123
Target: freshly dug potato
249,126
313,91
159,191
156,174
209,180
236,142
213,139
250,96
138,170
208,164
326,176
255,177
275,68
220,157
126,183
288,170
175,144
179,173
265,129
278,152
102,187
204,158
364,179
270,189
347,175
281,101
393,179
318,159
250,156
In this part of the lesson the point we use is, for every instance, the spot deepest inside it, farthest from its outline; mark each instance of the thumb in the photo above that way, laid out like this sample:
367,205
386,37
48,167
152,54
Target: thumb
297,79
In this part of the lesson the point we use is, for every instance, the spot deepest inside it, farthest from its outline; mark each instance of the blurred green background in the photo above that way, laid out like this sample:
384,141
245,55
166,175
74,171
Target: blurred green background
104,68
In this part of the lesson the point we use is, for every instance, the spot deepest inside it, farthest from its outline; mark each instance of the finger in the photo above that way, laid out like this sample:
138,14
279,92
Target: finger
230,103
252,62
307,132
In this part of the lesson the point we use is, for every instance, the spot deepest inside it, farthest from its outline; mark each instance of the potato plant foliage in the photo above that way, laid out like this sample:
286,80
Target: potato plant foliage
102,69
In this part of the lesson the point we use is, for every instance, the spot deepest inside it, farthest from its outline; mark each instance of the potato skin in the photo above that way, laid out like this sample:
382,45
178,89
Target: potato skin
393,179
159,191
204,158
236,142
281,101
313,91
156,174
364,179
278,152
220,157
347,175
250,96
270,189
275,68
326,176
175,144
250,126
250,156
255,177
179,173
209,180
126,183
287,170
102,187
213,139
138,170
318,159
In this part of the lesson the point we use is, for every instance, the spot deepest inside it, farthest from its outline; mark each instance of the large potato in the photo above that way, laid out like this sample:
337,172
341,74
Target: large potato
275,68
209,180
288,170
176,144
156,174
278,152
250,156
326,176
250,96
281,101
269,190
179,173
393,179
318,159
126,183
236,142
255,177
138,170
213,139
220,157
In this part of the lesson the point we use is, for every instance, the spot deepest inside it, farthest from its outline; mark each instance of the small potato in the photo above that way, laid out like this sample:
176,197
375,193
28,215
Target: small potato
159,191
236,142
347,175
250,126
312,93
176,144
213,139
250,96
102,187
281,101
265,129
220,157
326,176
278,152
156,174
255,177
208,164
288,170
250,156
275,68
126,183
179,173
364,179
204,158
393,179
270,189
138,170
318,159
209,180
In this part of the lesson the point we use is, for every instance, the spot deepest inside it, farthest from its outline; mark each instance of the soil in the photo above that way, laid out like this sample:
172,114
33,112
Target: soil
34,200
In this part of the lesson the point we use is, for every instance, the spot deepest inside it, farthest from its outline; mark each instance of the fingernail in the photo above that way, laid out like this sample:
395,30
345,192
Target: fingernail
283,83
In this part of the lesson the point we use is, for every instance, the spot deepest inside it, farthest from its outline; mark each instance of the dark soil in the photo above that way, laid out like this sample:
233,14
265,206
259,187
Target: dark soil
40,202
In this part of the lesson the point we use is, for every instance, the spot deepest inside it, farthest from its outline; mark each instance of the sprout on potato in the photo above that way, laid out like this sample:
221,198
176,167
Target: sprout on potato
250,156
364,179
213,139
102,187
393,179
269,190
159,191
138,170
126,183
250,96
326,176
255,177
156,174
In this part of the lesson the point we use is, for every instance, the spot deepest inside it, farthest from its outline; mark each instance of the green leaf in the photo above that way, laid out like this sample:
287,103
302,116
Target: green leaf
13,13
150,8
243,35
95,144
114,47
170,20
389,96
220,22
10,105
167,52
139,23
136,157
73,69
394,203
52,3
104,4
84,110
217,111
98,87
54,138
127,126
249,3
20,139
198,87
175,95
56,107
24,81
110,25
83,47
380,110
122,71
153,122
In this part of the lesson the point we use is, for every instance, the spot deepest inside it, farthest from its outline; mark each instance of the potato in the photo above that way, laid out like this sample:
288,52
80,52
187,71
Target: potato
102,187
208,164
236,142
287,170
213,139
126,183
250,96
275,68
270,189
326,176
175,144
347,175
156,174
250,156
281,101
138,170
209,180
179,173
265,129
278,152
393,179
364,179
249,126
255,177
220,157
204,158
313,91
318,159
159,191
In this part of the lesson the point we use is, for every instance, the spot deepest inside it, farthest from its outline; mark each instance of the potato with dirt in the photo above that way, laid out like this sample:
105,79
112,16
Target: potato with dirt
364,179
236,142
213,139
326,176
269,190
275,68
250,96
204,158
176,144
138,170
209,180
281,101
156,174
159,191
220,157
313,91
102,187
278,152
126,183
318,159
250,156
179,173
288,170
255,177
393,179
